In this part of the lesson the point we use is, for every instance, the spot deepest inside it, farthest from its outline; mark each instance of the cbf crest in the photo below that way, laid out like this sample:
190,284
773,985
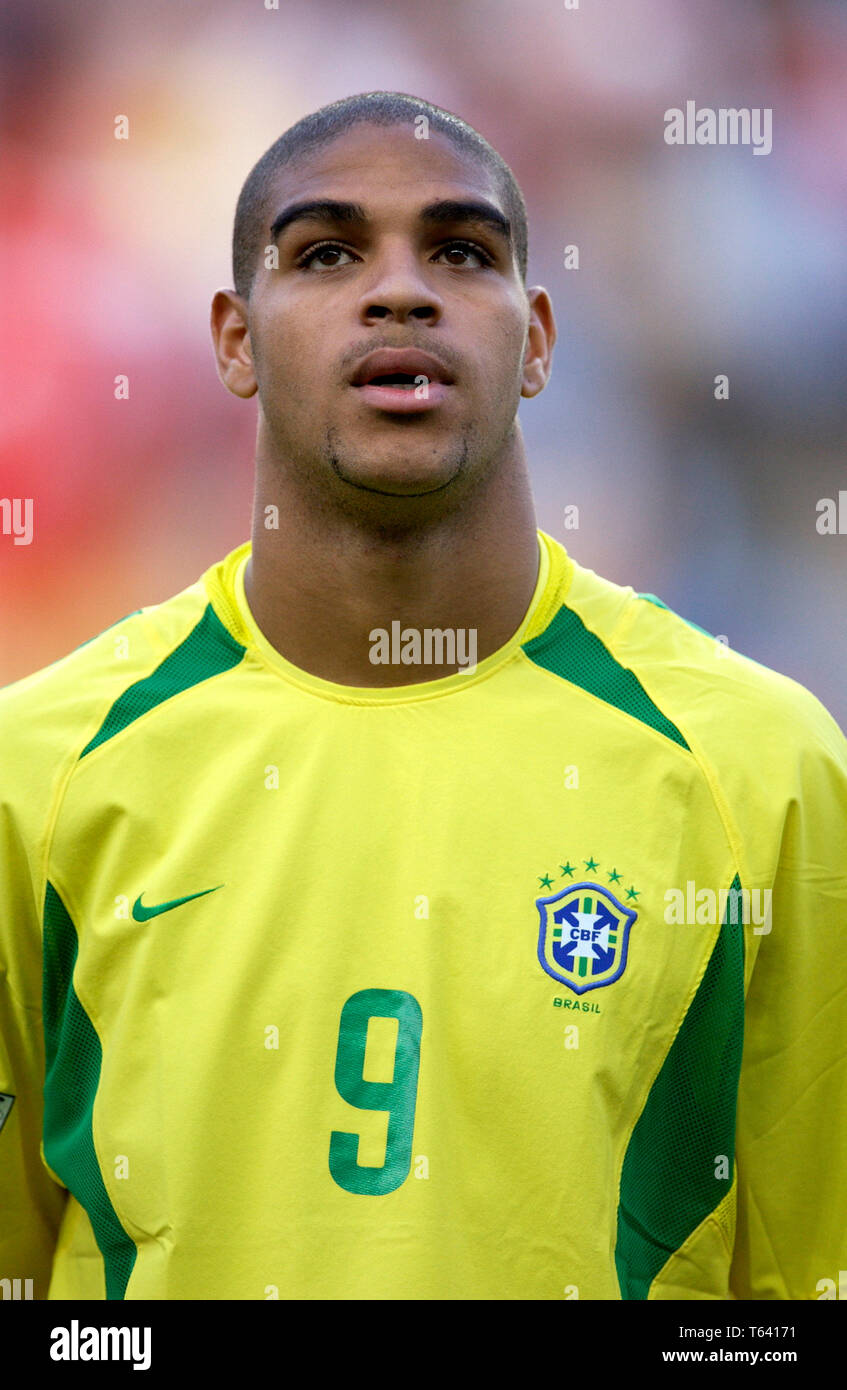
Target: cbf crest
584,936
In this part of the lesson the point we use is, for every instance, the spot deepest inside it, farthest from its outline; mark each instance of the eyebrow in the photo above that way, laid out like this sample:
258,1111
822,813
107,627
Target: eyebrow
446,211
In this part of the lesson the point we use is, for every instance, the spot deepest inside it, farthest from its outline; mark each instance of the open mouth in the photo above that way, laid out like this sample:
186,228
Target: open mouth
394,379
401,383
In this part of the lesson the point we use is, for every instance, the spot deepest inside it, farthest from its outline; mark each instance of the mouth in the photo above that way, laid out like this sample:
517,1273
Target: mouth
401,394
403,380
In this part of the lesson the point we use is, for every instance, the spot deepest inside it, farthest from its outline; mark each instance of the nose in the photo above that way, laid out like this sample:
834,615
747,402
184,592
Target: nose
398,289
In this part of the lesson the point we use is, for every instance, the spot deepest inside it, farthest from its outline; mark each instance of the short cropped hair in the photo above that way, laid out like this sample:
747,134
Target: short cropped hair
250,234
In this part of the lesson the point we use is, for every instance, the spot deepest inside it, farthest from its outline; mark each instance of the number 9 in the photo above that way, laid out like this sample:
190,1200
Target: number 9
398,1097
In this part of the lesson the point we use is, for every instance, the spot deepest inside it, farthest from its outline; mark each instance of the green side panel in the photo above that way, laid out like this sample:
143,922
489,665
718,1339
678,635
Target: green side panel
651,598
208,650
668,1184
73,1062
568,649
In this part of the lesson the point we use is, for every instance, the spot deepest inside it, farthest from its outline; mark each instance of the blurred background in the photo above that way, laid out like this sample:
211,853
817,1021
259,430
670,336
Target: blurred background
694,261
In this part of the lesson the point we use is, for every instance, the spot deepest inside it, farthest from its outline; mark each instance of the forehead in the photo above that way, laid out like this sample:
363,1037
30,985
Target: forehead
385,167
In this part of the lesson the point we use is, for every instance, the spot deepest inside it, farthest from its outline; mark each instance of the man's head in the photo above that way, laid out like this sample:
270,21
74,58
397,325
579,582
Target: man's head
382,223
320,128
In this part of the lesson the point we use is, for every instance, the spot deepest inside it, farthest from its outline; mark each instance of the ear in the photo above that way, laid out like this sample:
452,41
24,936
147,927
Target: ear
541,336
233,350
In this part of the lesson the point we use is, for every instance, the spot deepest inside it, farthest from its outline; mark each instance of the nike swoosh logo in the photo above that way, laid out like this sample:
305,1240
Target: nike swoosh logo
143,914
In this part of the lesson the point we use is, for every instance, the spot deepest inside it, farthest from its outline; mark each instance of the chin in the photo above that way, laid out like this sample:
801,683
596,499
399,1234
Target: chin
399,482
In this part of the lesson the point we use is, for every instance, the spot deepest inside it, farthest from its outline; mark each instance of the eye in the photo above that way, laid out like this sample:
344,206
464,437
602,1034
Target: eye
466,248
322,249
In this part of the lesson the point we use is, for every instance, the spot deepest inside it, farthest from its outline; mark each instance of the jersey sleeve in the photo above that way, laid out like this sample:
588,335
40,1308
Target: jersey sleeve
32,1201
791,1135
46,720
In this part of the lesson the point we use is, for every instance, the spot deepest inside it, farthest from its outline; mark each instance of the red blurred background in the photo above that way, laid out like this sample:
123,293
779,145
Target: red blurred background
694,261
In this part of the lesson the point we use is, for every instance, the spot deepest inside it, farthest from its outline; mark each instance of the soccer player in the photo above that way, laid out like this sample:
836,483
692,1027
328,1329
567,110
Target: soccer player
404,910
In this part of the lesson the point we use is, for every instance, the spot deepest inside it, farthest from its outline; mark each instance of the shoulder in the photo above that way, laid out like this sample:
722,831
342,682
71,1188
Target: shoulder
767,747
725,702
49,717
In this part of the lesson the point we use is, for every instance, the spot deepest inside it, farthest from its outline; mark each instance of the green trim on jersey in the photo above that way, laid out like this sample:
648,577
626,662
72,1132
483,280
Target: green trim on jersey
668,1183
72,1074
660,603
208,650
568,649
126,617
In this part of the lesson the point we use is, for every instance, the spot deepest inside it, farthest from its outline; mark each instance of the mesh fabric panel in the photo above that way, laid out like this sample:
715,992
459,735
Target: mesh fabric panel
569,650
668,1183
207,651
73,1061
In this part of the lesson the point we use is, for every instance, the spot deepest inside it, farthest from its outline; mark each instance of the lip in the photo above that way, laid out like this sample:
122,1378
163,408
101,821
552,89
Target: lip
403,400
410,361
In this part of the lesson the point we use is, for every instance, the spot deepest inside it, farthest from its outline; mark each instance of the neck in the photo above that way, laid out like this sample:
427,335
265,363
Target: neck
326,578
